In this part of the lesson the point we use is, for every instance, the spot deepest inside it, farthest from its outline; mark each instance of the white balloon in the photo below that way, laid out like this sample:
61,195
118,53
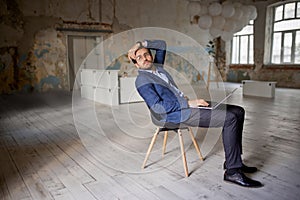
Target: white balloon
246,12
215,32
215,9
228,10
238,26
218,22
229,25
205,21
237,14
253,15
226,36
194,8
252,8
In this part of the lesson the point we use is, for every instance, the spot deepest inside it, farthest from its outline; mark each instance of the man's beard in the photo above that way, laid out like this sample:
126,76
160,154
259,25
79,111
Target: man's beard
148,65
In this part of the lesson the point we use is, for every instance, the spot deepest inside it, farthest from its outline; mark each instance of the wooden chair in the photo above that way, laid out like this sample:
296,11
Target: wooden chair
172,127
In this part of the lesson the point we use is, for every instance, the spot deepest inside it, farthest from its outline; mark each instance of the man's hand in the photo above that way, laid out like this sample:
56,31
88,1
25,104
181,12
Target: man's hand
197,102
131,51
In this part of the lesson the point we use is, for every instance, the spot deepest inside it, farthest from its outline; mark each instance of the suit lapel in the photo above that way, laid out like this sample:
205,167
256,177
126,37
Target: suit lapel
156,79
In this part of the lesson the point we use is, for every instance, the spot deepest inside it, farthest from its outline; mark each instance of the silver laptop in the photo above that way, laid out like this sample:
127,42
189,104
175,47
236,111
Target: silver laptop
214,105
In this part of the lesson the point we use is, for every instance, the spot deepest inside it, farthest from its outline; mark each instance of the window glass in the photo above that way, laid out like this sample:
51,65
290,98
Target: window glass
278,13
297,47
285,36
251,57
287,47
289,10
276,48
244,50
235,50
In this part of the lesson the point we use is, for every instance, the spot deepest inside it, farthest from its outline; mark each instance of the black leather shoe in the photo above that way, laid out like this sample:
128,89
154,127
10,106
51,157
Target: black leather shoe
242,180
244,168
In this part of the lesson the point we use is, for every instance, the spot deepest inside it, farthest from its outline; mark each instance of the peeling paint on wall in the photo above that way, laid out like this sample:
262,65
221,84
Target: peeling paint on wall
283,77
237,76
49,55
8,69
43,68
30,28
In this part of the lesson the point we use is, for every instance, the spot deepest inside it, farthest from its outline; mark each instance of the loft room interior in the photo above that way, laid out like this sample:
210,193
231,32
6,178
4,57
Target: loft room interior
72,125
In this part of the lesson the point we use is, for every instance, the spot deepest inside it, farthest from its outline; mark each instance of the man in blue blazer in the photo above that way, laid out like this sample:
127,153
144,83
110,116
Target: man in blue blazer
169,106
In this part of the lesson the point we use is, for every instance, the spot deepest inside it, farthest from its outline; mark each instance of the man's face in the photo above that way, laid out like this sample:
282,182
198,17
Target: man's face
144,59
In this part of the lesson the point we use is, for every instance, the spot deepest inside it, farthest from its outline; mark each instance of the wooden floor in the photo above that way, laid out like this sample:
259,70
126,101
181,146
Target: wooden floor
54,148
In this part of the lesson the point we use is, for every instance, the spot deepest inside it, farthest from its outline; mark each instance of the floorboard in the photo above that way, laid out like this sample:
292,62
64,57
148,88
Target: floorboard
53,147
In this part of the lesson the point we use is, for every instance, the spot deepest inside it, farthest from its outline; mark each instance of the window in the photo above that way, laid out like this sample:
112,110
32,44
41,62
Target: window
286,34
242,46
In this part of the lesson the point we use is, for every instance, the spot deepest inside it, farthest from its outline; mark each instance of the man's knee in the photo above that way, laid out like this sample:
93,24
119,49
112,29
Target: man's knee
230,118
239,111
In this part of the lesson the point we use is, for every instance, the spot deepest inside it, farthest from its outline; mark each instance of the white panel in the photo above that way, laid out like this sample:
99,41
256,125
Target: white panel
102,79
87,92
259,88
113,78
106,96
115,96
128,92
87,77
104,83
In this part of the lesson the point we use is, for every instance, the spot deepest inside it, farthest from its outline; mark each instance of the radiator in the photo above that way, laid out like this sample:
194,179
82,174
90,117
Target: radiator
259,88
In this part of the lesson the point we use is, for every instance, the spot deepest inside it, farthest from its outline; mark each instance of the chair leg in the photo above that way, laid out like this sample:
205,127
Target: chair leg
196,144
150,147
165,143
183,153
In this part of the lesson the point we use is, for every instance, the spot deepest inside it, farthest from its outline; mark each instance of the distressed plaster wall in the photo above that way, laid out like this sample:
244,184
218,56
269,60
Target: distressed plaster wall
33,53
33,50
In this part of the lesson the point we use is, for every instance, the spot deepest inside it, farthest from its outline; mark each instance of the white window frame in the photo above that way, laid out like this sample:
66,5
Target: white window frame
250,48
284,32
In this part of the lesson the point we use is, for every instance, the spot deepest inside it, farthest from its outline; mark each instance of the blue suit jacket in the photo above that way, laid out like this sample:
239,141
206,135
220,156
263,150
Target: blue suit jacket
162,99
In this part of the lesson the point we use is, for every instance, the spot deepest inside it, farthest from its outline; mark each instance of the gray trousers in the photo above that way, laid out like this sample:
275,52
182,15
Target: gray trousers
231,118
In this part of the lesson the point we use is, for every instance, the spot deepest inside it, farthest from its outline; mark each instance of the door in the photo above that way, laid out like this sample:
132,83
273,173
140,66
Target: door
78,49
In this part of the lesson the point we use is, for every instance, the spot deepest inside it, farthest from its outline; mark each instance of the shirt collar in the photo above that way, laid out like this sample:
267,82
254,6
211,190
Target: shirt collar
150,70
